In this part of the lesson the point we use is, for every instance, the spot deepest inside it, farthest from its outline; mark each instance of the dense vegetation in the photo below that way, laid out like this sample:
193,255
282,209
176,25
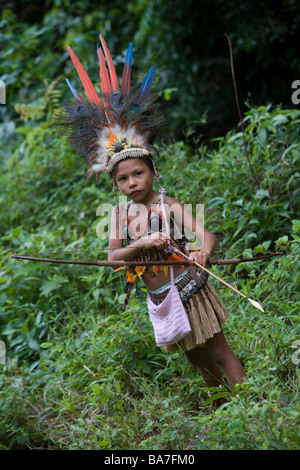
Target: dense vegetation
184,39
82,374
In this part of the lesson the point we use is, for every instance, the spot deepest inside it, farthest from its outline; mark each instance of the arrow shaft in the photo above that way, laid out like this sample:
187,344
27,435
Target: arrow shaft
212,274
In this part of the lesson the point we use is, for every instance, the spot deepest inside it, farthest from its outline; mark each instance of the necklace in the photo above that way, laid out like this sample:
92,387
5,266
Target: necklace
129,227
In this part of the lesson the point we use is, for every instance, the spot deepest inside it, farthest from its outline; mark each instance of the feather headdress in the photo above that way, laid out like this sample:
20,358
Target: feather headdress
121,124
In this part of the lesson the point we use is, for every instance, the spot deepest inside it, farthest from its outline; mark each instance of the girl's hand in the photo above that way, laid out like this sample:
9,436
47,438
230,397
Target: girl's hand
158,240
200,257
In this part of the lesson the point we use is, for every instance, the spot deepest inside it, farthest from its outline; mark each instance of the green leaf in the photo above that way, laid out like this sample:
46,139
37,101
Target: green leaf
33,344
104,443
46,345
296,225
215,397
24,130
119,404
121,298
215,201
168,92
51,285
279,119
96,389
261,193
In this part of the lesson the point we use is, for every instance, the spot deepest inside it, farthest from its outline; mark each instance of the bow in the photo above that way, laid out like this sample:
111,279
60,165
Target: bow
119,263
188,262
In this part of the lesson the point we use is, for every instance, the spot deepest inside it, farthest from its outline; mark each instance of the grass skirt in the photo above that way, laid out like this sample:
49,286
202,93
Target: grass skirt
206,313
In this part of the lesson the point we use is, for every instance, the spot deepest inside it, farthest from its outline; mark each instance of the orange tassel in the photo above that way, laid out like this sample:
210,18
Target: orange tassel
174,257
140,270
131,277
118,269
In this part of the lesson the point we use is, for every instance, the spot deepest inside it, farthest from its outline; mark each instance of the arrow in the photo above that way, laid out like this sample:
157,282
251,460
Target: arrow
121,263
253,302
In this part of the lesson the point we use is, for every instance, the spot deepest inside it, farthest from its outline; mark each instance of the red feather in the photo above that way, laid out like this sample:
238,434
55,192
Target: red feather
105,82
85,80
111,67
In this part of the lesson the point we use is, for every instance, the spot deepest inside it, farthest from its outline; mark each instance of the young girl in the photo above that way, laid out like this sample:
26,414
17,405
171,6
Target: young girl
117,133
206,349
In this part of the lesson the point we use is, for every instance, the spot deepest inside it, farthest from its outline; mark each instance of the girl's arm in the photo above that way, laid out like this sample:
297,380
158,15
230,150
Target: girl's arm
207,248
205,238
118,252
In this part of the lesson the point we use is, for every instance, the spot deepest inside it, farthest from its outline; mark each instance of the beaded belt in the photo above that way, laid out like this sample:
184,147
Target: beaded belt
185,284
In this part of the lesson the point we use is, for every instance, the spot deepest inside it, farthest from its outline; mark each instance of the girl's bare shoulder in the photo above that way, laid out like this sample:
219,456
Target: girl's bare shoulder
171,201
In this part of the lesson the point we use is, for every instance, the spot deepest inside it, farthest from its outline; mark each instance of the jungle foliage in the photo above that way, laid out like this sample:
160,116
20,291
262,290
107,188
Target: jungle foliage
79,372
185,41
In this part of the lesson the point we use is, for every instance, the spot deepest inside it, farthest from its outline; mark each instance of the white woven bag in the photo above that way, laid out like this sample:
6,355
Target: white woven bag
169,319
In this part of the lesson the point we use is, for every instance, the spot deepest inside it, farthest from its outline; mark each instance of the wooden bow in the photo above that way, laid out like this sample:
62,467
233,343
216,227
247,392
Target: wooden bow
188,262
119,263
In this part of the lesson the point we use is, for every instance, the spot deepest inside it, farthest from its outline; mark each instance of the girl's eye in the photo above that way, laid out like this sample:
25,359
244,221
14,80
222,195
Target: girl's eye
139,173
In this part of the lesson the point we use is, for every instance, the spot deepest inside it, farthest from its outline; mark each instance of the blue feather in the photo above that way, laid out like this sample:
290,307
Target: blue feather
74,91
80,109
147,83
128,58
69,109
135,106
125,87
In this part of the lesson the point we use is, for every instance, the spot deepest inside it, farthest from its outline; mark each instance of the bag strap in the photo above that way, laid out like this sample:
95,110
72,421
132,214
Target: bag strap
193,271
162,192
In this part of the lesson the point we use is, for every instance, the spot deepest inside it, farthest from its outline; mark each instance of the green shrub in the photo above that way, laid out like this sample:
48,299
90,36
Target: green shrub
82,374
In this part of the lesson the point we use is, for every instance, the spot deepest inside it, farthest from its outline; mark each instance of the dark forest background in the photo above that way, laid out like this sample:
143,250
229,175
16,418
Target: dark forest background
184,39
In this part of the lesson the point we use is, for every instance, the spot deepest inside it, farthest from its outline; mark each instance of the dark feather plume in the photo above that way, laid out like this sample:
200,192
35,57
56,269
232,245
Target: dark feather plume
83,122
131,114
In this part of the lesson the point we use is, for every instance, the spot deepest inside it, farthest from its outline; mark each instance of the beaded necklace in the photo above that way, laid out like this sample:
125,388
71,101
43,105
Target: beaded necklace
124,222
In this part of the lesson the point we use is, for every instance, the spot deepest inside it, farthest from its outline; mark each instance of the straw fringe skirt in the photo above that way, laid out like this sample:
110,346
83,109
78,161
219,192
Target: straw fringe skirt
206,313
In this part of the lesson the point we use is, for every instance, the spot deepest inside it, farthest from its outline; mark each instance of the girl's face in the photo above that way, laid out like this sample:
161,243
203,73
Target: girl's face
134,179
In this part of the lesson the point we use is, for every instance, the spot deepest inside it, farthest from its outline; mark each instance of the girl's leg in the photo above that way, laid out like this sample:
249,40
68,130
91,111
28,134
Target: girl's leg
209,369
221,353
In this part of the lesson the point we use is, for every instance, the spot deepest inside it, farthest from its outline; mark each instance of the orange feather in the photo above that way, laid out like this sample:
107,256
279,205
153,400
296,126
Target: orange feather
112,139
